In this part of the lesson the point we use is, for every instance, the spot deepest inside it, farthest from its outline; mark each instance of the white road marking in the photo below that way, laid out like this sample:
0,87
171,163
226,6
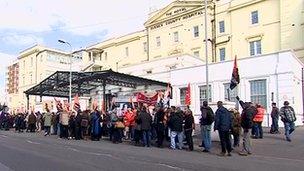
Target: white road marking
31,142
169,166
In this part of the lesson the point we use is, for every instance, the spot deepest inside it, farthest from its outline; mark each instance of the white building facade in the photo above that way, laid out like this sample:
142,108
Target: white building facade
275,77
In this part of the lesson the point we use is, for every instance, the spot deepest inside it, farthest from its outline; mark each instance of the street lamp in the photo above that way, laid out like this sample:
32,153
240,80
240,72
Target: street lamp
70,79
206,52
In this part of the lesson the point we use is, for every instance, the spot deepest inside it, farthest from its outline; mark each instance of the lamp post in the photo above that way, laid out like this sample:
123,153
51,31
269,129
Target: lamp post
70,79
206,51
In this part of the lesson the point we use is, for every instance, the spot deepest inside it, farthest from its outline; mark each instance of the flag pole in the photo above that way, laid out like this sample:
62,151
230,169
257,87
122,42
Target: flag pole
206,52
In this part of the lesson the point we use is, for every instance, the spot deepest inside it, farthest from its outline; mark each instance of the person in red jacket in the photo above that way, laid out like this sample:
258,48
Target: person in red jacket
129,121
258,120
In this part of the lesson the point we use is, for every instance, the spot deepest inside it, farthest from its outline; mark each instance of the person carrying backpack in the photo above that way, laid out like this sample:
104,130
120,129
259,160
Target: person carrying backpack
207,118
288,117
248,113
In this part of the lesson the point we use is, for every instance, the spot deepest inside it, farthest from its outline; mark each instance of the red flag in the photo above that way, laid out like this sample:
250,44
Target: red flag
235,79
58,104
66,105
188,95
76,106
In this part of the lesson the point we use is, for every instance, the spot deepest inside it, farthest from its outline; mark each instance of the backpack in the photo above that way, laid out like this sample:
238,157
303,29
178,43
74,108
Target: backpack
210,117
84,123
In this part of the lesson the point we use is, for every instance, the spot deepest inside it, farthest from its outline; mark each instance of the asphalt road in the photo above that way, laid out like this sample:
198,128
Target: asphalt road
31,152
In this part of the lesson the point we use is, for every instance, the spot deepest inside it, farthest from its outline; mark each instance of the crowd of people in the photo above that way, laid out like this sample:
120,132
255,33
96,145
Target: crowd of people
143,126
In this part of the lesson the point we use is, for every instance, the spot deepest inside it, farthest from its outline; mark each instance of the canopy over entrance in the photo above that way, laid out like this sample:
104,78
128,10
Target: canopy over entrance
57,84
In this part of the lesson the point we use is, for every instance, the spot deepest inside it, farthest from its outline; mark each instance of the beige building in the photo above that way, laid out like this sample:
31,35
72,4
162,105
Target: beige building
240,27
35,64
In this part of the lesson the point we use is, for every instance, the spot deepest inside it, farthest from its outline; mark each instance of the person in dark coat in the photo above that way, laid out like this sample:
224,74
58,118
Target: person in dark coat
78,130
32,122
223,123
206,120
19,123
146,122
249,111
96,127
176,126
189,126
275,119
160,126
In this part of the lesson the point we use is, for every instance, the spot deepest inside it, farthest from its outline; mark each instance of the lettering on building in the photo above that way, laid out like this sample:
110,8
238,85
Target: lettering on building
177,19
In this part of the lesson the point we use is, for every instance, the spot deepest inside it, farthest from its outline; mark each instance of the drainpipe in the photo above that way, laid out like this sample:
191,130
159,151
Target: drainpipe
303,93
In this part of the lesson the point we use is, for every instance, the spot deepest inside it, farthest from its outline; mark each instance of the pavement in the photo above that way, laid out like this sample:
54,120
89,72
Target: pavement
34,152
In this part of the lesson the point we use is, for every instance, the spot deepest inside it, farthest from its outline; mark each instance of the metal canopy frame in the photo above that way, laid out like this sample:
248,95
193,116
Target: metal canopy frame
57,84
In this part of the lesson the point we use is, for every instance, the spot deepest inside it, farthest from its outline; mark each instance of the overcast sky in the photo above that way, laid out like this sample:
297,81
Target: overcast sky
30,22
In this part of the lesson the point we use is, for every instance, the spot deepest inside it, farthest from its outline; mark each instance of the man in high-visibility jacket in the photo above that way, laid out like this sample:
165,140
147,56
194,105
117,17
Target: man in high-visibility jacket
258,120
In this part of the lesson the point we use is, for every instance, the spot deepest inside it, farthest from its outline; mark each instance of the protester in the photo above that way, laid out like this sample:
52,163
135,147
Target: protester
258,120
78,129
64,124
275,119
236,126
288,117
72,126
96,131
19,123
206,120
31,122
176,127
38,121
137,131
84,124
248,113
189,126
129,121
47,117
146,122
160,126
223,123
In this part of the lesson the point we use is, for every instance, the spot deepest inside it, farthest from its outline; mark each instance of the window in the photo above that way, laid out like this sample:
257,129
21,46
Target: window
196,54
222,26
158,41
183,92
23,80
255,48
24,64
258,92
149,71
31,61
41,58
232,93
41,77
145,47
127,51
222,54
90,56
195,31
175,36
254,17
31,78
106,56
203,94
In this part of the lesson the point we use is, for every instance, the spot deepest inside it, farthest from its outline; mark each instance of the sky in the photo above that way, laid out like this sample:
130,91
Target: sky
82,23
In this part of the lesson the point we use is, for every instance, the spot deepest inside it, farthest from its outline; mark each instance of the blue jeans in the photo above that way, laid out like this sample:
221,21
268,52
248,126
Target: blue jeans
180,139
146,137
206,136
258,130
289,128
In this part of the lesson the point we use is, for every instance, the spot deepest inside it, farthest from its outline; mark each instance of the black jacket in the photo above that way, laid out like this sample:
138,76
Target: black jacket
248,114
176,122
145,120
223,120
207,116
